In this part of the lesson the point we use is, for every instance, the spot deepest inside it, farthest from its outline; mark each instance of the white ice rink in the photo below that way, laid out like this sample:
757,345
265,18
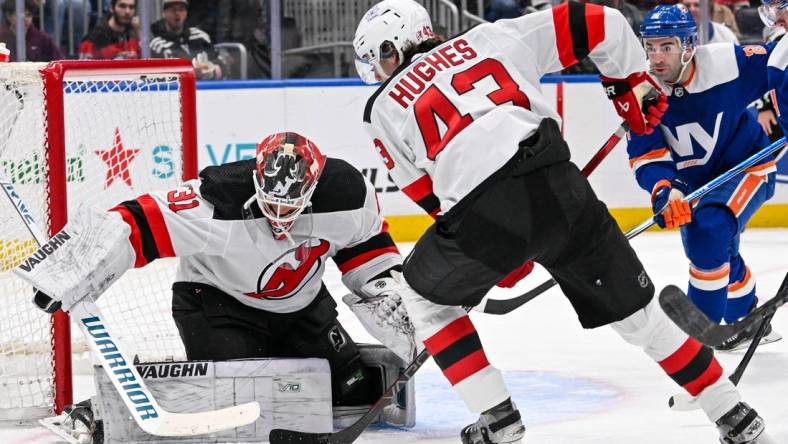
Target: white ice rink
576,386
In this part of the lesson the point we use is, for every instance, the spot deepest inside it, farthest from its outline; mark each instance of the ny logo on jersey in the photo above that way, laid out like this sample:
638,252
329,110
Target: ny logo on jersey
682,144
286,275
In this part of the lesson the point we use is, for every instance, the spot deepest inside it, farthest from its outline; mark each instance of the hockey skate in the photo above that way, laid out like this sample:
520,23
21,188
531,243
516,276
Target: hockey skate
741,425
77,424
500,424
742,340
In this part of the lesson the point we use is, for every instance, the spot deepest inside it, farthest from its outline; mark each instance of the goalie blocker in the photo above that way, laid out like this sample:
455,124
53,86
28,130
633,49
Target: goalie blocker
292,393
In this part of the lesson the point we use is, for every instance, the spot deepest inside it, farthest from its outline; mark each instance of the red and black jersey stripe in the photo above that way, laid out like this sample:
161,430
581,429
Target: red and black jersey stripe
420,191
579,28
149,236
693,366
350,258
457,350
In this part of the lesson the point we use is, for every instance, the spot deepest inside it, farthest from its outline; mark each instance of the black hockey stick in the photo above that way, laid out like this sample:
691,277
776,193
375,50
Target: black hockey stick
684,401
503,306
695,323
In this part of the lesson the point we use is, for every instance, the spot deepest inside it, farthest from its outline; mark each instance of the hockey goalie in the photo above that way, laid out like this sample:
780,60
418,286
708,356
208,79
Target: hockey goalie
252,238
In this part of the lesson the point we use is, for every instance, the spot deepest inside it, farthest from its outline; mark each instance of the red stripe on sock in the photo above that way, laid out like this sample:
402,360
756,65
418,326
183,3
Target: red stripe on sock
681,357
135,239
466,367
456,329
709,377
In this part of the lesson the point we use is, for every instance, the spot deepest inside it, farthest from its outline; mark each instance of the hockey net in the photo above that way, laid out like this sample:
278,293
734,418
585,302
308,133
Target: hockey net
97,133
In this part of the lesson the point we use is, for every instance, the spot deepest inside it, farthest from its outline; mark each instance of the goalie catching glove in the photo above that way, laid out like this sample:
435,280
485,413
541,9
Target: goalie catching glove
380,310
82,260
638,99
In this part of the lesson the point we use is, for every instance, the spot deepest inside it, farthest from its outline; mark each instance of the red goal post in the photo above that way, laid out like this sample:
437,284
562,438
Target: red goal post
86,132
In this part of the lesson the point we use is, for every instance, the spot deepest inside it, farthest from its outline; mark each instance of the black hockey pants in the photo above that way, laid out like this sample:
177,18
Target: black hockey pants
536,207
215,326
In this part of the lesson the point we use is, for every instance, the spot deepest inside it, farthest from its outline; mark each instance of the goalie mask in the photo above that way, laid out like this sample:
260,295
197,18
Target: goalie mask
288,168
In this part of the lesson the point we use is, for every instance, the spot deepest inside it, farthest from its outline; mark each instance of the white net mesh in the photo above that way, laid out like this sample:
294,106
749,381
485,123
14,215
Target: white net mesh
122,139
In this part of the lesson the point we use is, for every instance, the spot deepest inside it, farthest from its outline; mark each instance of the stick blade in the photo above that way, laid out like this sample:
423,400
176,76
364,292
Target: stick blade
190,424
283,436
689,318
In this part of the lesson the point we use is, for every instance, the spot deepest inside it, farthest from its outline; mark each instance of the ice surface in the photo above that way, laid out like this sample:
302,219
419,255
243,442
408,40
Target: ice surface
578,386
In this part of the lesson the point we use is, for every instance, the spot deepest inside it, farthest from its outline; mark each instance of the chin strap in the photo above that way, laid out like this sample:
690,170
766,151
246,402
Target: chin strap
684,65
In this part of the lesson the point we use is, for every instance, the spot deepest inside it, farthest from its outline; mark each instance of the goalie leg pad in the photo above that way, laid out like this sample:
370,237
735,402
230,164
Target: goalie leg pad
292,393
384,364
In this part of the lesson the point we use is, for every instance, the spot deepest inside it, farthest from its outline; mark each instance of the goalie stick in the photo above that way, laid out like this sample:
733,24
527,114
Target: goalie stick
683,401
504,306
142,405
694,322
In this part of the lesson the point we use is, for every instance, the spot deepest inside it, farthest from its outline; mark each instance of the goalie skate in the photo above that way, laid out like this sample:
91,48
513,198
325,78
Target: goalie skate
76,425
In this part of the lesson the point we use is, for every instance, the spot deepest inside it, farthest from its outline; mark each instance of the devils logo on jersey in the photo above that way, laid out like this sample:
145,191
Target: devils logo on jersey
289,273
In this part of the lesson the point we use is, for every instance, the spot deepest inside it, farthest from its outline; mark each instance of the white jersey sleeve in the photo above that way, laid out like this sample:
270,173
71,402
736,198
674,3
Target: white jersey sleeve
558,38
173,223
371,251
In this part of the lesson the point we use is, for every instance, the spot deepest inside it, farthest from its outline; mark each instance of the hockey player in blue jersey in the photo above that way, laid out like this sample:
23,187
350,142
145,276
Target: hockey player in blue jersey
774,13
705,131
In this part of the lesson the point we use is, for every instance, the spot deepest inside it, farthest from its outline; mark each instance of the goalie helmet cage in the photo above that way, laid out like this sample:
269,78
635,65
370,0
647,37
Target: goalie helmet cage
94,132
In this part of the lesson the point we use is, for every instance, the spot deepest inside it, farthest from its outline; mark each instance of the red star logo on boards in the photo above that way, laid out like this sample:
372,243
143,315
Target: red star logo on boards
118,159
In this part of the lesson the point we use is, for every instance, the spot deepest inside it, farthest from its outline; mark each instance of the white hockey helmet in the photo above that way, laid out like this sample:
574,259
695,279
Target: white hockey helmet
399,22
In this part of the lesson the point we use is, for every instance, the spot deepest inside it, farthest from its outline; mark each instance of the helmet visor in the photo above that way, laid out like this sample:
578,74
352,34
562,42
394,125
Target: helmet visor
366,70
770,11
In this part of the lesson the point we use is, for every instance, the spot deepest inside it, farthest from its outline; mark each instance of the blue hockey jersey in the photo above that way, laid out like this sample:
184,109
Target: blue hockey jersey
707,129
779,82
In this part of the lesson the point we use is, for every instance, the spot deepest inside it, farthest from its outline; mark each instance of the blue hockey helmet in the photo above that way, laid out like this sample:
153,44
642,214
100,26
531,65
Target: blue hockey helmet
770,10
671,21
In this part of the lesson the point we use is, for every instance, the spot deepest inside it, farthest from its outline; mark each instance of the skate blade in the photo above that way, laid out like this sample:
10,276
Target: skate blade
771,338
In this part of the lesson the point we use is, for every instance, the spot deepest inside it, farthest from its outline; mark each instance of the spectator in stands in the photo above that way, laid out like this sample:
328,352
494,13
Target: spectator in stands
503,9
115,37
246,22
203,15
173,39
723,24
55,23
38,45
734,5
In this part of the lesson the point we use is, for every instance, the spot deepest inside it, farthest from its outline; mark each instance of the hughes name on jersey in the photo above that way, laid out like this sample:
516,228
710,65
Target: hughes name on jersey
218,243
426,126
707,128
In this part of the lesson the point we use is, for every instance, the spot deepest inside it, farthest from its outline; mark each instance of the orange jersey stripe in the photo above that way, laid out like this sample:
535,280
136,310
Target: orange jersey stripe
653,154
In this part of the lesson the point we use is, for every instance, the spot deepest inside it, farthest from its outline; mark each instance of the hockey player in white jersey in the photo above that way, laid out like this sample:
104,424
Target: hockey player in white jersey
465,131
253,238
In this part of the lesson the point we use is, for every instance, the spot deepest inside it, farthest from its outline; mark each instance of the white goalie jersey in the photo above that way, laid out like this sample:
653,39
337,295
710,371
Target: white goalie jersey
427,120
221,244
